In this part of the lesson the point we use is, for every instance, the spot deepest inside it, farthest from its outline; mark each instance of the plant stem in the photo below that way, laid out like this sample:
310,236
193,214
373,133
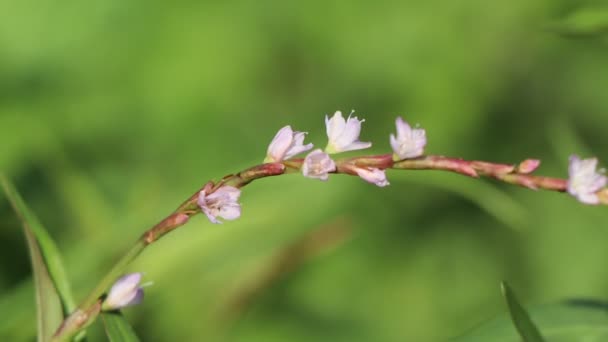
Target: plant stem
113,274
513,174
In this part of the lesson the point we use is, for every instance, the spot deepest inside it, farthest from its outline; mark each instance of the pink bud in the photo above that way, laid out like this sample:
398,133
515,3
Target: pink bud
372,175
528,166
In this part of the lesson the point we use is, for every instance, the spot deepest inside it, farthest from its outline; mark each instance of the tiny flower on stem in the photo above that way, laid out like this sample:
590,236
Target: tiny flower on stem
318,164
409,143
343,134
221,203
372,175
528,166
286,144
126,291
584,181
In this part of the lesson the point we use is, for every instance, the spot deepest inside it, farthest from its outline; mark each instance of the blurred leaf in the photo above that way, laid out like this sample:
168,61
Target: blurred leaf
117,328
584,22
489,197
520,317
48,301
48,249
574,320
18,320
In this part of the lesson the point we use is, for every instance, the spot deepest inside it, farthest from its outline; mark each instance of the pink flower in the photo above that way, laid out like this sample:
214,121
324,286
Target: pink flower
318,164
343,134
221,203
409,143
373,175
583,181
286,144
126,291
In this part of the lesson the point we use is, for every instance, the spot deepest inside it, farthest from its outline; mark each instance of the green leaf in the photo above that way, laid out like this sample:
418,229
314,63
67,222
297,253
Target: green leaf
53,295
117,327
585,22
48,302
526,328
49,250
574,320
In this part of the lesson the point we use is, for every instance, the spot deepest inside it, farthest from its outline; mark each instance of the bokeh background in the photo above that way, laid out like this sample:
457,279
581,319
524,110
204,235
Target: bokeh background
112,112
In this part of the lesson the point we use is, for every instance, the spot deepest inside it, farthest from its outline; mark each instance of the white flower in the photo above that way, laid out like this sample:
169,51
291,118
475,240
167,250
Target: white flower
583,181
343,134
318,164
126,291
409,143
221,203
286,144
373,175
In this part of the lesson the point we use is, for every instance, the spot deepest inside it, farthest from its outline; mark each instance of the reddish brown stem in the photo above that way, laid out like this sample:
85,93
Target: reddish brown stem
512,174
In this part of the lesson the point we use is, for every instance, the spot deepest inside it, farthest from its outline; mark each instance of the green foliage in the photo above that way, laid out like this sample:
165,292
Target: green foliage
112,112
117,328
585,22
575,320
526,328
53,296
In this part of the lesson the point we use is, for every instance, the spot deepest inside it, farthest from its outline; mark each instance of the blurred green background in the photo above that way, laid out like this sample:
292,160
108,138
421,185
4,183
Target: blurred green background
112,112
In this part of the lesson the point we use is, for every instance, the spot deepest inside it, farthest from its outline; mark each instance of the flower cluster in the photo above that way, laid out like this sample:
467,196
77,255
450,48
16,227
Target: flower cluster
343,136
584,181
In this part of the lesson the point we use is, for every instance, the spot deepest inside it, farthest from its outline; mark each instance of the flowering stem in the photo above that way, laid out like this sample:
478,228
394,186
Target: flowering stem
90,307
507,173
512,174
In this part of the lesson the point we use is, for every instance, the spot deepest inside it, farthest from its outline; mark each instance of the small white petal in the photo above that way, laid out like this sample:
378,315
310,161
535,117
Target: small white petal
409,143
343,135
318,164
211,215
230,212
221,203
403,128
280,144
138,298
584,181
286,144
373,175
335,126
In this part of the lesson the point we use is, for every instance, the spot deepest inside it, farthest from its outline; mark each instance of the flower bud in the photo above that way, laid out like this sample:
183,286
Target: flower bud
372,175
126,291
528,166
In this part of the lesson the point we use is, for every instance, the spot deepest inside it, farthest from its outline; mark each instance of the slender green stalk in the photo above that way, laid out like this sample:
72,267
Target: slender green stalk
114,273
90,307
